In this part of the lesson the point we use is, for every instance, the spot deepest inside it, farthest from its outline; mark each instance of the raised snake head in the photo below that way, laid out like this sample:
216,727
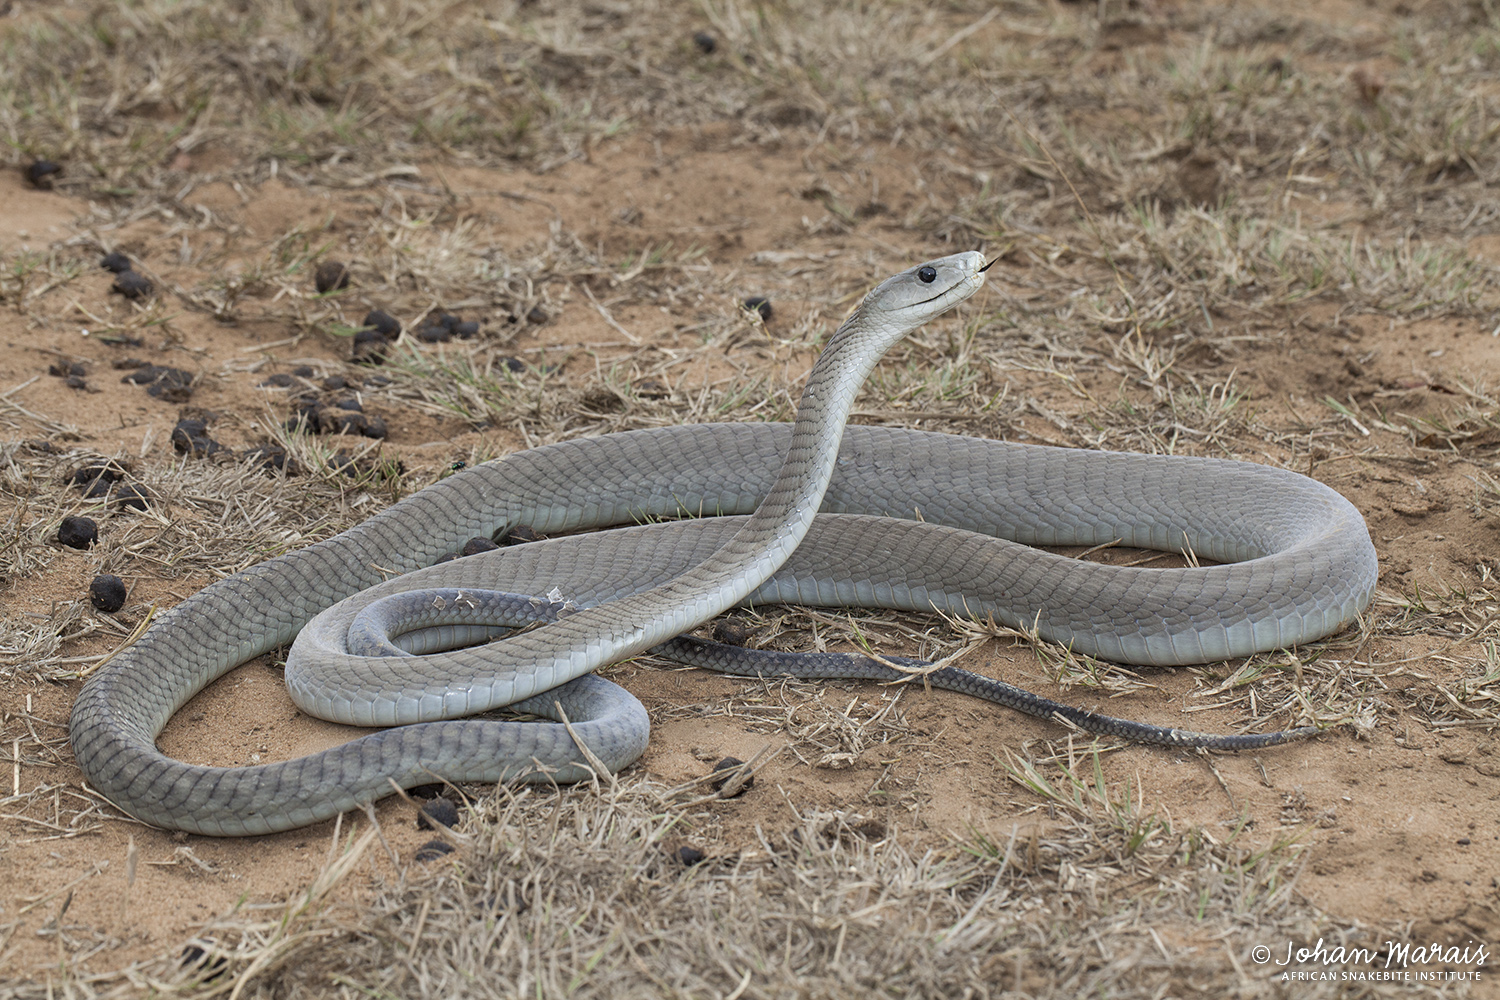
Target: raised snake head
924,292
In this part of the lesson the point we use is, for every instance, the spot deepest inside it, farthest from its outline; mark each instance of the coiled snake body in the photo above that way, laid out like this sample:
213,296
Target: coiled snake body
912,520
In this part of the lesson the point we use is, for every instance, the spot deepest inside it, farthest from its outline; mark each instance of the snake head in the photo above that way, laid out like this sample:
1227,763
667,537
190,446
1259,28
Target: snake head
926,291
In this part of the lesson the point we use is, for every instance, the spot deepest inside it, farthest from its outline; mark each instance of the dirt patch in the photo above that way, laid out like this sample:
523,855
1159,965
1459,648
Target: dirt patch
1187,280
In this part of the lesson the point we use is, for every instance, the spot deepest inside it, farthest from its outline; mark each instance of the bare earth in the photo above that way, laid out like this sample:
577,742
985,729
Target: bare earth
622,261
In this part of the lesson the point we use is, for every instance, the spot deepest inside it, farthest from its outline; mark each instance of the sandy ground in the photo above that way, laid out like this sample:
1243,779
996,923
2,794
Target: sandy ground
1399,818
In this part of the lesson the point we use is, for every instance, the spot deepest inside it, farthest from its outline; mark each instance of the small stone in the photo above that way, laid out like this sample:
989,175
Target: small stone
729,764
760,304
707,44
132,285
330,276
78,532
537,315
107,593
439,812
41,173
690,856
129,496
1464,841
474,546
383,323
116,262
433,850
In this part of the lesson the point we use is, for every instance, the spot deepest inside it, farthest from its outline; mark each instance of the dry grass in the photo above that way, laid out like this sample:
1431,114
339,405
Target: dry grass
206,522
583,895
1161,209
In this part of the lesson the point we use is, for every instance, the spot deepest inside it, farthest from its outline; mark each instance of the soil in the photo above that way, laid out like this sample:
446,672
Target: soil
1399,819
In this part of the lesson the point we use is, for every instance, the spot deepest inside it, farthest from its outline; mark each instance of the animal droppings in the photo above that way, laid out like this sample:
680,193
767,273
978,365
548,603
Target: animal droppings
330,276
107,593
78,532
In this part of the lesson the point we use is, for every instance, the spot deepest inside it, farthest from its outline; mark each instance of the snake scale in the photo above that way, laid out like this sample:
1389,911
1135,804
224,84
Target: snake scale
910,520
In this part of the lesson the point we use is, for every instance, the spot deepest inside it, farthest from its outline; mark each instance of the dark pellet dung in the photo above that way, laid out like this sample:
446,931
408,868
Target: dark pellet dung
474,546
330,276
190,436
116,262
369,347
171,384
383,323
107,593
132,285
438,812
78,532
129,496
433,850
728,765
42,173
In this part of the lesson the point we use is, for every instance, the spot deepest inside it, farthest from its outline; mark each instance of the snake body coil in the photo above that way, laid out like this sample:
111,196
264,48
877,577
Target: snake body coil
912,520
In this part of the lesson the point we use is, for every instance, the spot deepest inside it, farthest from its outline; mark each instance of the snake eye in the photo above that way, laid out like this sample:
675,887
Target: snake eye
927,274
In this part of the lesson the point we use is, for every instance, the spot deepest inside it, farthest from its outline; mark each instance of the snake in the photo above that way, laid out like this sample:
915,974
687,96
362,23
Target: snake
704,518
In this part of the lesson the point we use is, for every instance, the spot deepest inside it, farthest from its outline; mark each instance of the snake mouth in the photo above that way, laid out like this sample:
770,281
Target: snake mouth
954,288
936,298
